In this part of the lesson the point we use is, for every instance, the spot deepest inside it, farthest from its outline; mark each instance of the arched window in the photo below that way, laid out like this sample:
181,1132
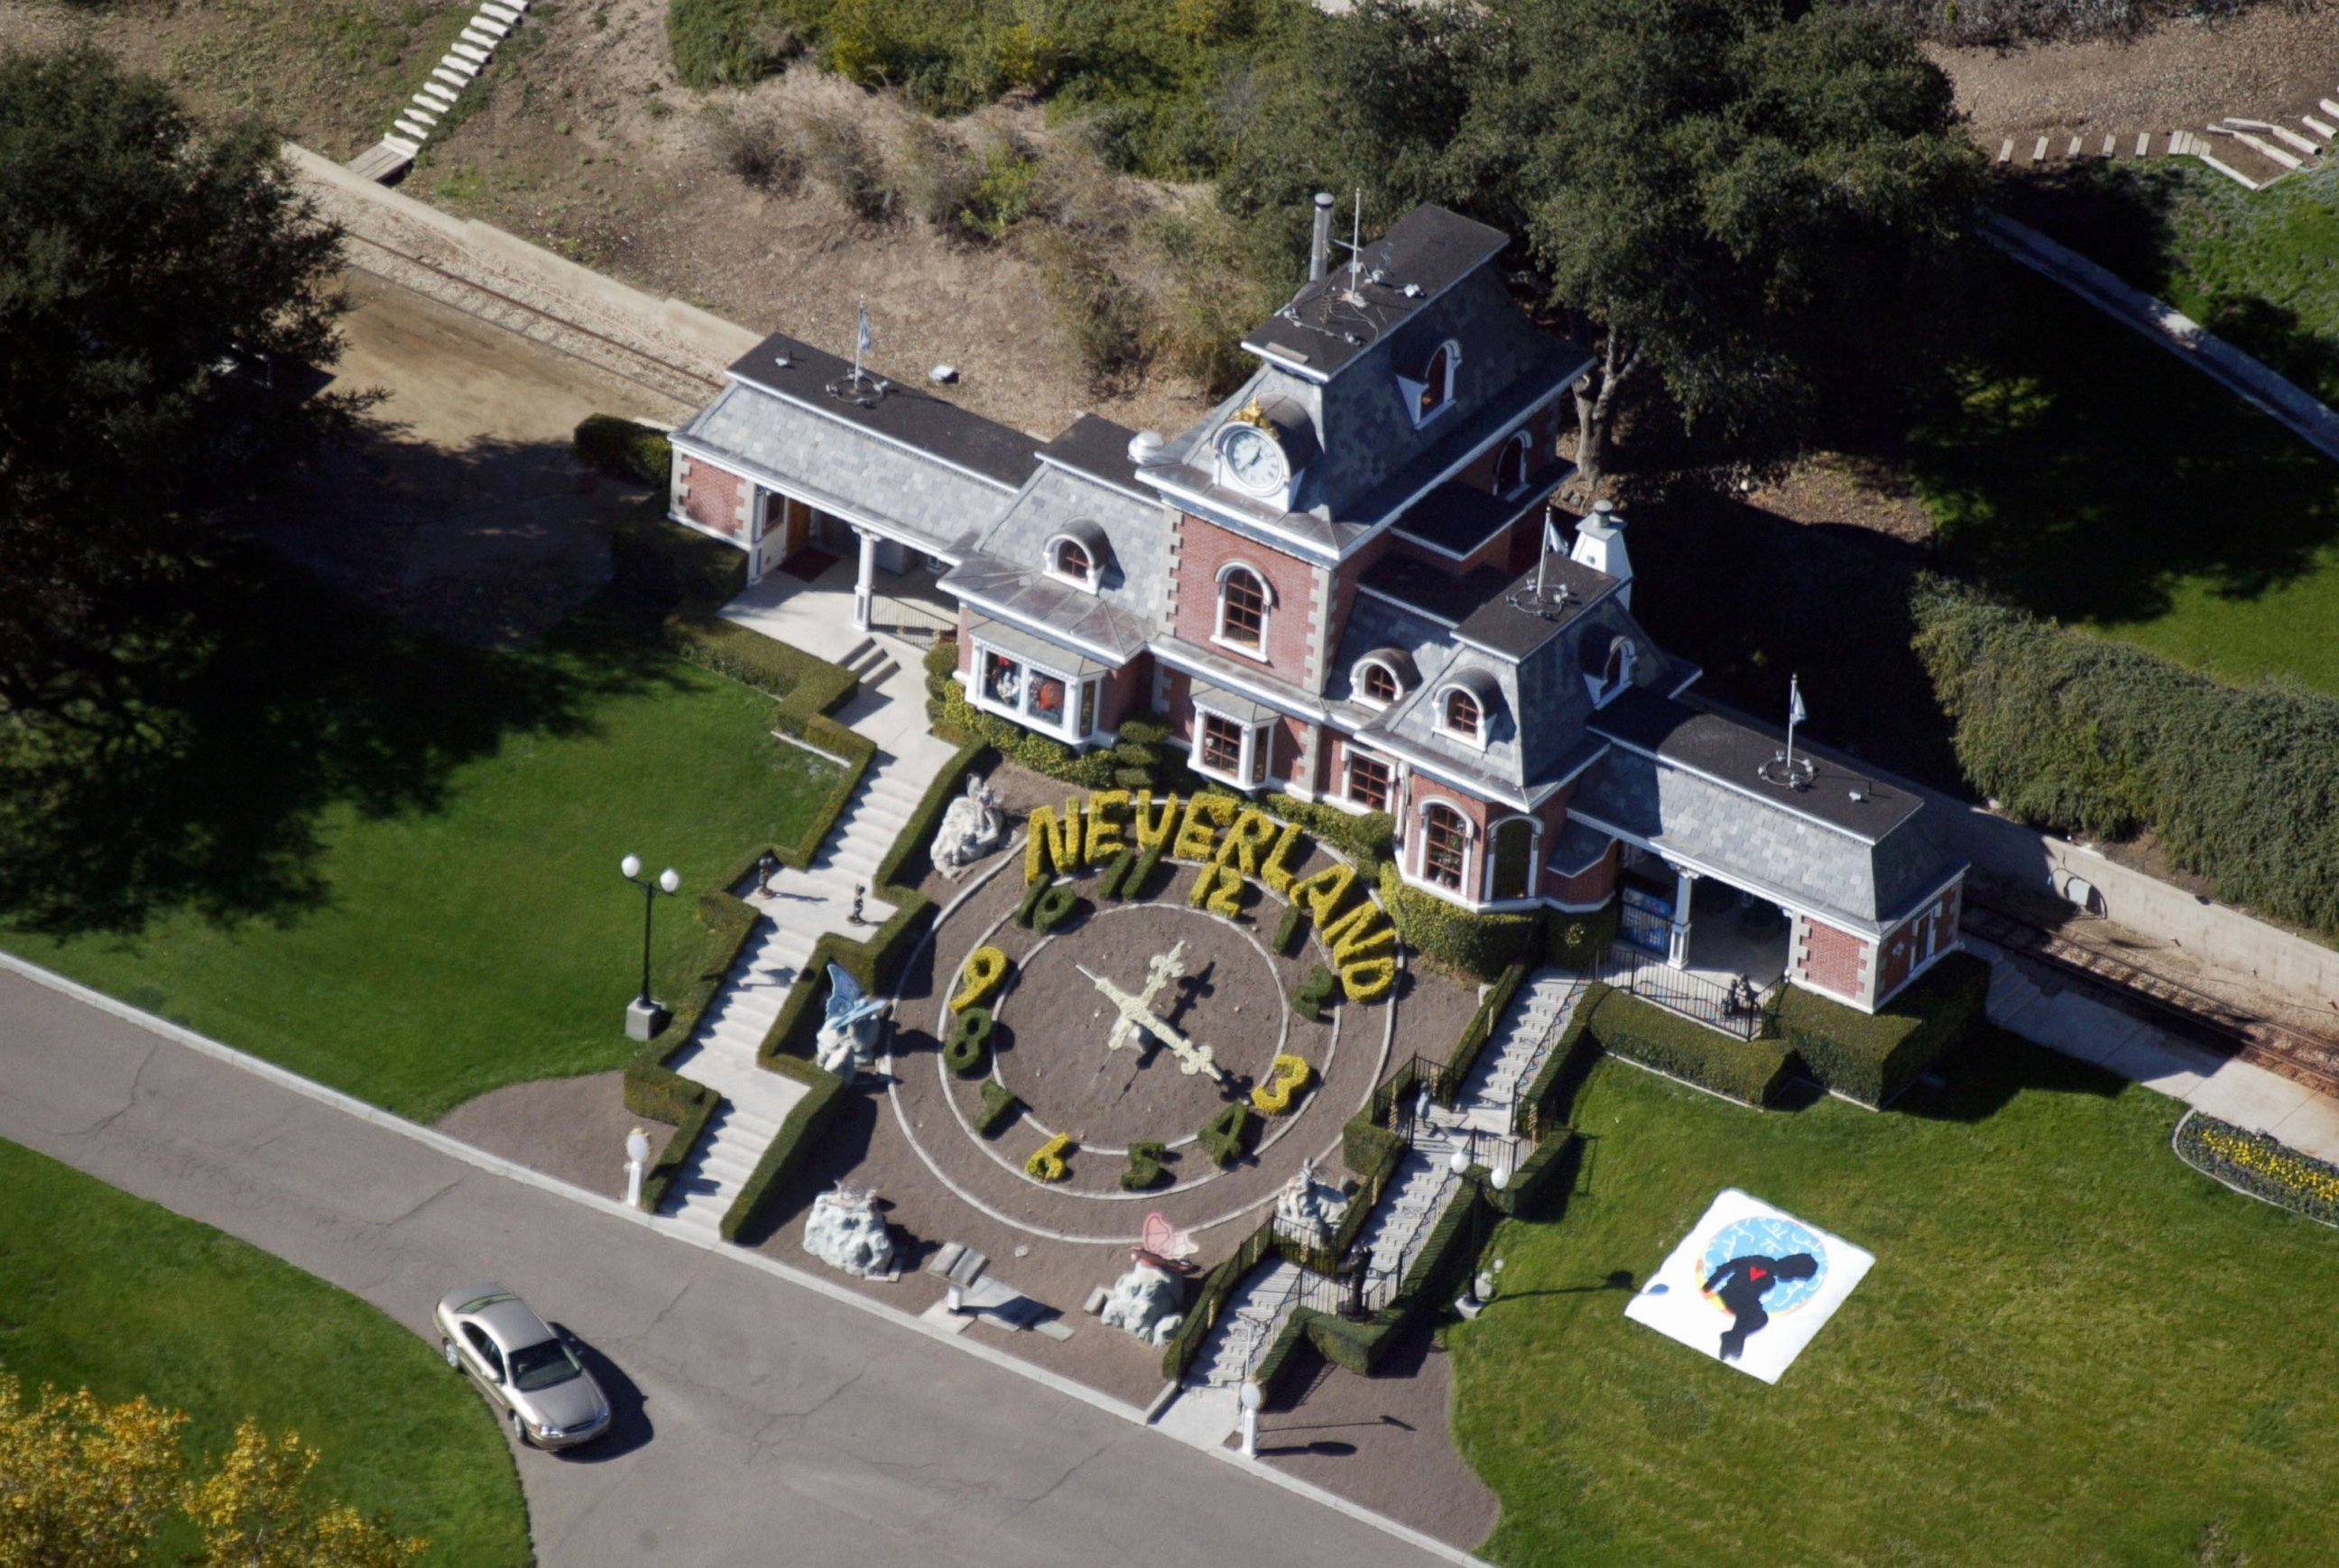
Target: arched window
1073,561
1376,684
1444,847
1462,714
1512,874
1436,383
1618,674
1511,463
1242,609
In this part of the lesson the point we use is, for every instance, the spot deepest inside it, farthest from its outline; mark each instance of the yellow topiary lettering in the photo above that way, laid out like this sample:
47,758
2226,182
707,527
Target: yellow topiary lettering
1154,827
1195,838
1105,829
1047,1162
1277,872
986,969
1359,931
1324,892
1253,831
1039,845
1370,979
1285,1079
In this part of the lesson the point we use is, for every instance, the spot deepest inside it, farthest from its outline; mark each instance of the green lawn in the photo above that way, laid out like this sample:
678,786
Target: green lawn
113,1293
2072,1349
2087,475
392,865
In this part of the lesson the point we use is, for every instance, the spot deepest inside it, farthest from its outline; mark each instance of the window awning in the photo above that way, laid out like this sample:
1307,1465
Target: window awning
1023,644
1232,705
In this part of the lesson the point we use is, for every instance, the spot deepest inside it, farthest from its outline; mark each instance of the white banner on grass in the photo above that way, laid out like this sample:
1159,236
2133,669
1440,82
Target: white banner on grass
1750,1285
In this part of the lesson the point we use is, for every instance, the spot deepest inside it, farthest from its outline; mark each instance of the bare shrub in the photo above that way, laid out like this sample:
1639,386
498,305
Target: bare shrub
1104,317
842,155
757,151
932,172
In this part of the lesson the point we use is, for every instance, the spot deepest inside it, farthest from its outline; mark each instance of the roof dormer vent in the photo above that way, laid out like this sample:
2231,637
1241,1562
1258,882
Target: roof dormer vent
1143,445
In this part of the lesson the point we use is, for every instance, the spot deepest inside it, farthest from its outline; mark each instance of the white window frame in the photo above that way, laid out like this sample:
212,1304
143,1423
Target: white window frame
1521,441
1067,728
1087,585
1266,612
1256,751
1357,682
1626,653
1535,861
1351,754
1473,853
1437,715
1414,387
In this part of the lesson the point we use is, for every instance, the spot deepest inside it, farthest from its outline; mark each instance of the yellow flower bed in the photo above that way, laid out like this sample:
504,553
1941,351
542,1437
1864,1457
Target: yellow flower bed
986,970
2304,1177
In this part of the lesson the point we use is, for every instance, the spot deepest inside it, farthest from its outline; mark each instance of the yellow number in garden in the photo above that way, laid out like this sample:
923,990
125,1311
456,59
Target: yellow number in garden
986,967
1047,1163
1286,1078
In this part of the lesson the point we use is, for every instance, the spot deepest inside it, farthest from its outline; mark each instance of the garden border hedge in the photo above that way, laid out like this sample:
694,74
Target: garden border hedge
656,1090
626,450
1871,1058
1747,1071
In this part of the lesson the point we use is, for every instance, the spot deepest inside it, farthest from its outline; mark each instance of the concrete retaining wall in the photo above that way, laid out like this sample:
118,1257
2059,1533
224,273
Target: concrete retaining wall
705,337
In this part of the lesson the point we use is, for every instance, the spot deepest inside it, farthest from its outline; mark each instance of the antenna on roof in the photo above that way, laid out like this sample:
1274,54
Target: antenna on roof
1355,245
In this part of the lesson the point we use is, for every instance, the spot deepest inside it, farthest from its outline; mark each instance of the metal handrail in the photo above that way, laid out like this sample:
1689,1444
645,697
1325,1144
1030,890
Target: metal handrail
910,620
1691,996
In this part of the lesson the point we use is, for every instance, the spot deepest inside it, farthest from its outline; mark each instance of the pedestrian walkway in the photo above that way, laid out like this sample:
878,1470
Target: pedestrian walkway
801,906
2041,1009
465,59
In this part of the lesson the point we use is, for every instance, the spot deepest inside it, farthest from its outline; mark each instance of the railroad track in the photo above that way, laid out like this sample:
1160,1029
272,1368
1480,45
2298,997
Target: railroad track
2312,1060
687,389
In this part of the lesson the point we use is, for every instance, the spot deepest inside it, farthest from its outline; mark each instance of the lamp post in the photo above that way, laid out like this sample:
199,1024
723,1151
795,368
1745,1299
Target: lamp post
644,1018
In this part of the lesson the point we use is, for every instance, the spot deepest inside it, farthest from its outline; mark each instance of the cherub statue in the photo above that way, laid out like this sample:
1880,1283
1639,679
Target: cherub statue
847,1041
971,828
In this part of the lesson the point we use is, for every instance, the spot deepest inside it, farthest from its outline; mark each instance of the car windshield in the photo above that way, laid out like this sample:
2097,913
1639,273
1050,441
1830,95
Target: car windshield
537,1366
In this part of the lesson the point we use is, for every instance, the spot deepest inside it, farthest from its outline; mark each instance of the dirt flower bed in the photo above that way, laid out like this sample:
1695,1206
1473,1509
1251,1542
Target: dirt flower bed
2259,1165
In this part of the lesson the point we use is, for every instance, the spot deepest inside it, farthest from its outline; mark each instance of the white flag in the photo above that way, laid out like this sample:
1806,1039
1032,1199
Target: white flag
1795,714
867,340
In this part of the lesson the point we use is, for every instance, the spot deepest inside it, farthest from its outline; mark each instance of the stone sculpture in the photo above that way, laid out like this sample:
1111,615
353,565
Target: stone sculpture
1306,1209
1146,1302
845,1231
972,828
847,1042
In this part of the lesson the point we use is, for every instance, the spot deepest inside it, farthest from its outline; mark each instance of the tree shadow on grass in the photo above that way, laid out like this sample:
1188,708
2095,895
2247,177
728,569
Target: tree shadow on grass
2083,473
232,718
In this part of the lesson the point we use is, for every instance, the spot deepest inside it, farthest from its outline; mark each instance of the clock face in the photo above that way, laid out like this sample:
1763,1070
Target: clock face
1255,459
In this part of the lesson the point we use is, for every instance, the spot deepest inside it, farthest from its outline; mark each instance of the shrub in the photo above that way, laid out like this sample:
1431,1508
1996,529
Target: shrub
968,1048
1551,1098
798,1134
658,564
2093,737
842,156
1871,1058
1478,1032
1047,1162
1217,1285
727,43
1226,1136
1144,1169
2260,1165
1579,941
1477,945
934,174
756,152
1315,994
625,450
1744,1069
985,972
999,1104
1287,929
1366,1146
1003,193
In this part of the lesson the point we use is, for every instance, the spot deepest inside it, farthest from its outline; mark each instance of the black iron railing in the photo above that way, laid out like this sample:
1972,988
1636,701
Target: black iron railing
1739,1008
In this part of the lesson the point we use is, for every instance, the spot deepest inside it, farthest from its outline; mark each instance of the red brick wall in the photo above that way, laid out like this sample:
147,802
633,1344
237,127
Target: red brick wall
1831,959
714,498
1126,690
1903,955
1595,886
1204,548
1898,956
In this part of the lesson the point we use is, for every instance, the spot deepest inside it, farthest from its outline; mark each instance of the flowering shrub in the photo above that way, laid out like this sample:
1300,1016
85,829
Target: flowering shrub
2260,1165
1046,1161
1369,978
986,968
1284,1079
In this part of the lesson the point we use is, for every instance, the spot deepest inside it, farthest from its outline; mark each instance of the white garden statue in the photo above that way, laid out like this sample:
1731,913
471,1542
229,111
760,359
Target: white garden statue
845,1231
1306,1210
847,1042
972,828
1146,1302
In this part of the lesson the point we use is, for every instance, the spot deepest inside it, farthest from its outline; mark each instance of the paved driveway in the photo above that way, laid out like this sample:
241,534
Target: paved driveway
760,1422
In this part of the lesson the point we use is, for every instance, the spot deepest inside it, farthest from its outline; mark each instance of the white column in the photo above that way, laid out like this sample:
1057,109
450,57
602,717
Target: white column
1677,950
865,591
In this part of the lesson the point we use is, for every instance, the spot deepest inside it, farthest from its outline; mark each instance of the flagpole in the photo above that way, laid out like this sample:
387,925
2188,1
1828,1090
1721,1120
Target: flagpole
1795,711
860,331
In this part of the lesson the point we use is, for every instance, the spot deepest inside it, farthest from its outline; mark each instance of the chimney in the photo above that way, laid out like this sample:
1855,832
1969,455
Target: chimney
1320,251
1600,544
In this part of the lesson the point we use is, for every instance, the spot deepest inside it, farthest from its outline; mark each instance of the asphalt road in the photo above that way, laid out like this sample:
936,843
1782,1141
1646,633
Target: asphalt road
759,1422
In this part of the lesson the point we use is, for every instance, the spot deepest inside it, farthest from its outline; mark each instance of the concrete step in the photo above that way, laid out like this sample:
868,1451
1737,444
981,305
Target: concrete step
412,132
503,14
2322,130
2260,145
401,146
471,52
424,110
454,82
2281,133
2328,107
478,39
483,23
456,66
436,92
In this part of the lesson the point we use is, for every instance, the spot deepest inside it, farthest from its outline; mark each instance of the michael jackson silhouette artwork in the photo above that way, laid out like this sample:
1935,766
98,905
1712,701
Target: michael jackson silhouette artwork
1749,1286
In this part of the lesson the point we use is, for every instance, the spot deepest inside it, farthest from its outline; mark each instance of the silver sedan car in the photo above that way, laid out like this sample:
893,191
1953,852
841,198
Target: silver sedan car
525,1367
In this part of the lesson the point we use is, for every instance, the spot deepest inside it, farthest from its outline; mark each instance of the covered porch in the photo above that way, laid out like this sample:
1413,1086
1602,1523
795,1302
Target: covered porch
851,599
1697,945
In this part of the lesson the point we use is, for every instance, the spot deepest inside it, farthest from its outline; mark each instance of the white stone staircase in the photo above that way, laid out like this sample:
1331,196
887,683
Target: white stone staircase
464,60
1248,1324
1509,1061
799,907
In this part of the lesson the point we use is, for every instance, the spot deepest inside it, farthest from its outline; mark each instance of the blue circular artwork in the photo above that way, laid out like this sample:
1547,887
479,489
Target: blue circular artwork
1769,1239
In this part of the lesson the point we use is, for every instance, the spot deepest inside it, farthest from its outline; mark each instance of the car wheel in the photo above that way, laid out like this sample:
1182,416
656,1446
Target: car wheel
454,1357
520,1431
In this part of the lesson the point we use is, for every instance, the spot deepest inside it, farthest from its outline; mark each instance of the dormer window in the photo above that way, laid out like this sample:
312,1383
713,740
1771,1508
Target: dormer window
1076,555
1242,609
1466,706
1377,685
1435,389
1608,662
1511,463
1381,677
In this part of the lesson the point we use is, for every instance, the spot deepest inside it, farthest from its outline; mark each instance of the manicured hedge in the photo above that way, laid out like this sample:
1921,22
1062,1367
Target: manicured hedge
1477,945
625,450
658,564
656,1090
2085,735
798,1134
999,1103
1544,1177
1434,1272
1478,1032
1744,1069
1871,1058
1579,941
1550,1097
1364,838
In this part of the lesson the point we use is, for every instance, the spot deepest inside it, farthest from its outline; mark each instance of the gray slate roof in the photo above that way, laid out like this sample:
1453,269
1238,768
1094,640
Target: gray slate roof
1005,572
1777,841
